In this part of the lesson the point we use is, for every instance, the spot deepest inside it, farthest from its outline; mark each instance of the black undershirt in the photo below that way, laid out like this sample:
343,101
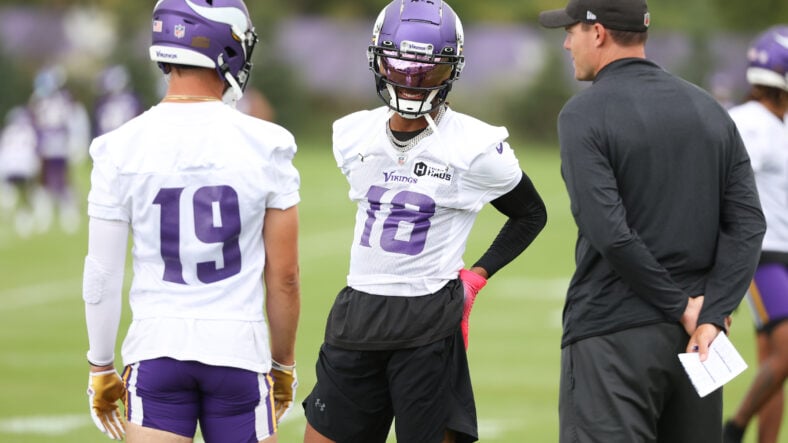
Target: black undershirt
527,216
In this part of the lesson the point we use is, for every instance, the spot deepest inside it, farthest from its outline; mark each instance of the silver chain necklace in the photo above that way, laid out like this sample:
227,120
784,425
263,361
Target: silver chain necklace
405,146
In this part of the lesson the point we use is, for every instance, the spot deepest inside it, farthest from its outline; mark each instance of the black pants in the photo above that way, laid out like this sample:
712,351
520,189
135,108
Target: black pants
630,387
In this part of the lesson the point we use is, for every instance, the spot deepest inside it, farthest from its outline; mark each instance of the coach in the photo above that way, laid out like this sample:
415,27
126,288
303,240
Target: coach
669,232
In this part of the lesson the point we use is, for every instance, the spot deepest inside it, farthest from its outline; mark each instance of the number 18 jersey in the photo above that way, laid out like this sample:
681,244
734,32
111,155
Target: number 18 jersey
416,209
194,182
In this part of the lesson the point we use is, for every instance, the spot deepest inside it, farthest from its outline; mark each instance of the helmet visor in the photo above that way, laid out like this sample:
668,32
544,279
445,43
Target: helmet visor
412,71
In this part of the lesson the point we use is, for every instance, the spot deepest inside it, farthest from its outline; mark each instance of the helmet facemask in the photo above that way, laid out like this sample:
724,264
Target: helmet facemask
237,83
416,55
412,84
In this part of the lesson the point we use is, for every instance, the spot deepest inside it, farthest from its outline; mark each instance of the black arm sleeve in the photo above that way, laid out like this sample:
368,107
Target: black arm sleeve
527,216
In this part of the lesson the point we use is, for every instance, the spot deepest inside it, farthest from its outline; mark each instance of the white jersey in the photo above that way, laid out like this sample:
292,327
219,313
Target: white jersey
194,181
416,210
766,139
18,157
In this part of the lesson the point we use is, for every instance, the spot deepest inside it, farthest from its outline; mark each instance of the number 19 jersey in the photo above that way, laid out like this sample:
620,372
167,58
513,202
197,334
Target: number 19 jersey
416,209
194,182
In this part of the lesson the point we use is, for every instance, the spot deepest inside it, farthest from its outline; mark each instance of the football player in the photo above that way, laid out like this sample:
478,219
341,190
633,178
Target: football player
117,103
419,173
209,195
19,168
761,120
63,132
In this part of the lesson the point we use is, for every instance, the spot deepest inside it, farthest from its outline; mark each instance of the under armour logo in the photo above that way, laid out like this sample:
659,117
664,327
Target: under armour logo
320,405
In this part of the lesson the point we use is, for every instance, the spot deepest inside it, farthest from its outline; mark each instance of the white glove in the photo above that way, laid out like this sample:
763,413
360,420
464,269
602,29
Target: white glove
105,388
285,384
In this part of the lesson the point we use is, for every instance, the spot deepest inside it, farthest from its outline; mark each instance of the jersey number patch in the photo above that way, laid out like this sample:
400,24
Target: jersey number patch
217,219
408,210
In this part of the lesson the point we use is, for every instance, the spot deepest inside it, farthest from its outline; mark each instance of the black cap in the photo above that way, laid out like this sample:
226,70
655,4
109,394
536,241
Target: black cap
623,15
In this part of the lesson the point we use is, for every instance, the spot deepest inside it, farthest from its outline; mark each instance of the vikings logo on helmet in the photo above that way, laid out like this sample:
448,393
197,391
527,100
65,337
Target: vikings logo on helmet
206,33
767,58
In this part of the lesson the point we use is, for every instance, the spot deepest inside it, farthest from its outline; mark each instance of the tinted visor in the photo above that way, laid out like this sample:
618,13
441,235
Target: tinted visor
414,71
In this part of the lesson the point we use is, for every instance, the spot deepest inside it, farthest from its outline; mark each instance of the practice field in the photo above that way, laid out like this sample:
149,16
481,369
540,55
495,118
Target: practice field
514,333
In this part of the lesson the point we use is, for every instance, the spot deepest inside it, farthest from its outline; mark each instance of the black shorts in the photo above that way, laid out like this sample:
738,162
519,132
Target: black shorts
427,388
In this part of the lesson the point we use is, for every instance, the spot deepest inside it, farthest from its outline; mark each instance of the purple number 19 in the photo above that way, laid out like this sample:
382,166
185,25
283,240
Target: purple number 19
217,219
407,207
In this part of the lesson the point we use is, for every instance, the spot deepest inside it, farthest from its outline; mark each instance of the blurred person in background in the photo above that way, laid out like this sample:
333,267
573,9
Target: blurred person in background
63,136
19,168
669,232
210,196
117,102
761,120
419,173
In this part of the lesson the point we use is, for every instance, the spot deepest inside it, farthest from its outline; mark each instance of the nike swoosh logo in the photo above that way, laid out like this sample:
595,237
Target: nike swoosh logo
229,15
782,40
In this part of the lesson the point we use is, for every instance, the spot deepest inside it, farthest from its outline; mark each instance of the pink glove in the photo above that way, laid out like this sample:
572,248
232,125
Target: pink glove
473,283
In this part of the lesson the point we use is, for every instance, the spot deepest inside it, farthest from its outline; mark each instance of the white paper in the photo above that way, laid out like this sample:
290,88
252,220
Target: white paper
722,364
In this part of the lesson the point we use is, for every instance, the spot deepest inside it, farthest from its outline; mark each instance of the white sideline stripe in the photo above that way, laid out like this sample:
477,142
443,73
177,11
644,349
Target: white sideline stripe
52,425
312,248
31,295
44,424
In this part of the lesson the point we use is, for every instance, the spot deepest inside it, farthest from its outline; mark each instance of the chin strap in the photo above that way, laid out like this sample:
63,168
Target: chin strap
445,153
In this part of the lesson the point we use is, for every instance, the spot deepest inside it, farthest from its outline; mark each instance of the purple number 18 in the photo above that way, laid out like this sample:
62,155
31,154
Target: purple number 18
407,207
224,227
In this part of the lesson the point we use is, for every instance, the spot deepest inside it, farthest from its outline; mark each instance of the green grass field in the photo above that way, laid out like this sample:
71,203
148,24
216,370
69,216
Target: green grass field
515,327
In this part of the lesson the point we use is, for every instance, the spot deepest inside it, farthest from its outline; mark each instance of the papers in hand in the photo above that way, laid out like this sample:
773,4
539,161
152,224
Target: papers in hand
723,364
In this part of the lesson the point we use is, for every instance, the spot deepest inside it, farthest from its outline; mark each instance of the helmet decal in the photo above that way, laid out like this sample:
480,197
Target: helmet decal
214,34
416,55
767,58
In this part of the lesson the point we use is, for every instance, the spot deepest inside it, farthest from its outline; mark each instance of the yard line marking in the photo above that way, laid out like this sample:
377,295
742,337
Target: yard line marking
44,424
40,293
52,425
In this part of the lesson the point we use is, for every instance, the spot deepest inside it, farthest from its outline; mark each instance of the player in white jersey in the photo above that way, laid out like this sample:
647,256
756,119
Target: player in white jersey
63,135
19,168
763,124
210,196
419,172
117,102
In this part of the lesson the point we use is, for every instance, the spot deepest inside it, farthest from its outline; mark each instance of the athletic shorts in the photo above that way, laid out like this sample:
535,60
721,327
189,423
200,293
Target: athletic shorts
230,404
629,386
768,296
427,388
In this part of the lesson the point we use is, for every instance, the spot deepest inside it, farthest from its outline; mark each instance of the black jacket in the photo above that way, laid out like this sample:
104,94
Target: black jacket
663,194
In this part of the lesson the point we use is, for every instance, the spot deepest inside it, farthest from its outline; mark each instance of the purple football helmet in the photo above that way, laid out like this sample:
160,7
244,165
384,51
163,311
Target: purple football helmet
206,33
768,58
416,54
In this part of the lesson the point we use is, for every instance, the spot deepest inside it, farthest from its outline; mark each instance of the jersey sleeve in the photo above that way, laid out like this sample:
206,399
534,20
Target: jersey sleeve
103,203
354,134
287,178
491,174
